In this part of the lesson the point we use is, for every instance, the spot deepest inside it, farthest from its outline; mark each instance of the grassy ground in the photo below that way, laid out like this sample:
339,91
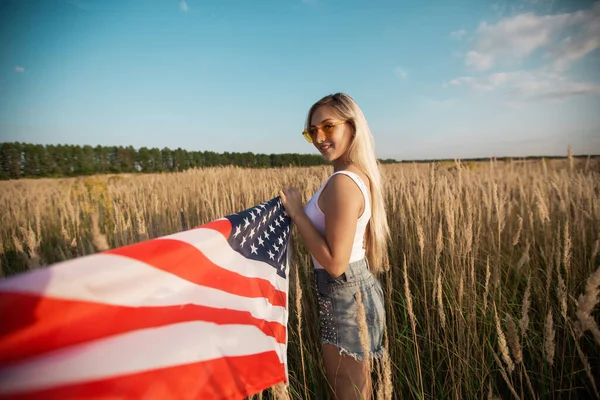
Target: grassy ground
491,291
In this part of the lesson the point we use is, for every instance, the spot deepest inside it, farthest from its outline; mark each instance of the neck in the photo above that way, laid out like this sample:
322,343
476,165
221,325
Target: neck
341,164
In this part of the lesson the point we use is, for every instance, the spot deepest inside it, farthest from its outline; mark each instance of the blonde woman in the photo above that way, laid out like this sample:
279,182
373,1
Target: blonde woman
344,226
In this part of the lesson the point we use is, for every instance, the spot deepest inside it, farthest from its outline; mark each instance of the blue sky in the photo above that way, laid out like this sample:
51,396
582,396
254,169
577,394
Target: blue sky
435,79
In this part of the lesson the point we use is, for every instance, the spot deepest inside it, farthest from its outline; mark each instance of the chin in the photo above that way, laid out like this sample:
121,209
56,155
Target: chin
328,157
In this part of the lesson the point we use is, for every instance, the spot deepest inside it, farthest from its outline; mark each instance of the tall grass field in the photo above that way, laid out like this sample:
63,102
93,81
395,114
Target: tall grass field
492,287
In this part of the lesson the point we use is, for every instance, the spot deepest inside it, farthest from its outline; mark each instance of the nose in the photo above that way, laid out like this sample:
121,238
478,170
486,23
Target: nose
320,136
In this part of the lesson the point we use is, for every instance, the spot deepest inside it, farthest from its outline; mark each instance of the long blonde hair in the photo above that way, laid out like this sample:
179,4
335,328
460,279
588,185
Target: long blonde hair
362,153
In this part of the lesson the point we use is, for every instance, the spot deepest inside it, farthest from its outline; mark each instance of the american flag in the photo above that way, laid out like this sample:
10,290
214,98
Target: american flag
200,314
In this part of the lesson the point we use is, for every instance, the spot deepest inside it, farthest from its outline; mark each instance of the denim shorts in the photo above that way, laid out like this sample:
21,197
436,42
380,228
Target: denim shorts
338,310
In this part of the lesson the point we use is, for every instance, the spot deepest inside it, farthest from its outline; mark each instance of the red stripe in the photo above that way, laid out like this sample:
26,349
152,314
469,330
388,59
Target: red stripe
223,226
32,325
223,378
187,262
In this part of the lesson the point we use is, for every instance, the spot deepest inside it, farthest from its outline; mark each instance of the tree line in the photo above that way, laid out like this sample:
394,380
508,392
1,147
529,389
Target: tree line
26,160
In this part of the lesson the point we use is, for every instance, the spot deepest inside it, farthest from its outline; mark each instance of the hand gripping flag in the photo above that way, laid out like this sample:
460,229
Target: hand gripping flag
200,314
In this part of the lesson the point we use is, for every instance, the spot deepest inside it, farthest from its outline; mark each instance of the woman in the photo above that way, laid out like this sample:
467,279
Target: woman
344,226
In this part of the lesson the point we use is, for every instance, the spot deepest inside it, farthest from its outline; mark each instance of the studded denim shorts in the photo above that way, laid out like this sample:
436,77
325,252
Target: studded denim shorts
339,310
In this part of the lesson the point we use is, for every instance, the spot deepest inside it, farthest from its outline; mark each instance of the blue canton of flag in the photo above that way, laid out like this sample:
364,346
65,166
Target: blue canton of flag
261,233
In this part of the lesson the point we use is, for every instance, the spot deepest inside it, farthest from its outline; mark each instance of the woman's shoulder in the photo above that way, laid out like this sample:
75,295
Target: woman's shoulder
344,186
355,174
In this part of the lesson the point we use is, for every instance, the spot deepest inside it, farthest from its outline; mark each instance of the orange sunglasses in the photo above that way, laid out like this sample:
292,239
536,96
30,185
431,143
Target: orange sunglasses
327,127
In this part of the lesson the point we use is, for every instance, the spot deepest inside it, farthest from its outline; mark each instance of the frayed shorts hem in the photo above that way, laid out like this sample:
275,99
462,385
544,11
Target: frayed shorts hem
357,356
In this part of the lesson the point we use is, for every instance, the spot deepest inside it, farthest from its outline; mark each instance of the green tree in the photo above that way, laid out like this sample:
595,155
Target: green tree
10,160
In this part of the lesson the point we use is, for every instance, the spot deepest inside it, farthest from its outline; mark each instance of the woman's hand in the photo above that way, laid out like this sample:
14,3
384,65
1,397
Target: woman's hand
291,198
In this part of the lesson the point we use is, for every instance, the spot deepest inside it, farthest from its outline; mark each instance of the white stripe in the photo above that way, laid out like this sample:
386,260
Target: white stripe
211,243
133,352
118,280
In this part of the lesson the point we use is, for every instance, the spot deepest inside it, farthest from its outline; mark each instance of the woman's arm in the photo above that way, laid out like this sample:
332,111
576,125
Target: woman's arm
342,202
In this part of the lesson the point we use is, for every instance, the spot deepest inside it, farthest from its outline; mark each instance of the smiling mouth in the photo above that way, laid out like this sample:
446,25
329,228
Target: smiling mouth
324,148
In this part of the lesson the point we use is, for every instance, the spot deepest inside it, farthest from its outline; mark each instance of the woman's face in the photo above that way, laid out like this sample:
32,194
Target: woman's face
334,144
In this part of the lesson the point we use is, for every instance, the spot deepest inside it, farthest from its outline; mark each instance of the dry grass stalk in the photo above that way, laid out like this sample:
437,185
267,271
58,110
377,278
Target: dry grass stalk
586,304
570,157
524,258
513,339
413,322
524,322
461,289
385,389
421,238
299,314
567,248
439,242
561,293
363,330
441,302
588,369
280,392
98,238
542,207
502,343
517,236
487,283
549,345
505,377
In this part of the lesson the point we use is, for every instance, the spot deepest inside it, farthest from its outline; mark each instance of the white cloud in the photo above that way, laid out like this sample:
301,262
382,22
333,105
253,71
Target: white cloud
183,6
515,38
528,85
401,73
18,68
479,61
458,34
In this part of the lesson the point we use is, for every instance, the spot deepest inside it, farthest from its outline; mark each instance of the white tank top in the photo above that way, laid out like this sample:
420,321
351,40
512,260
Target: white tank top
317,217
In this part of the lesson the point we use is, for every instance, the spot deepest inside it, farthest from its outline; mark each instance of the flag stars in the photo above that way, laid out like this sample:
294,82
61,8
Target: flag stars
277,223
271,228
271,255
261,241
275,247
280,240
246,223
238,230
253,216
253,249
252,233
266,235
264,220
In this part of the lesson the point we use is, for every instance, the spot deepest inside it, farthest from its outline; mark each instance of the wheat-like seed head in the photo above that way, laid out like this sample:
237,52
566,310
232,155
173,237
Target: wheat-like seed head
502,343
420,237
513,339
363,330
517,236
407,294
98,238
441,302
549,345
439,243
542,207
561,293
587,303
